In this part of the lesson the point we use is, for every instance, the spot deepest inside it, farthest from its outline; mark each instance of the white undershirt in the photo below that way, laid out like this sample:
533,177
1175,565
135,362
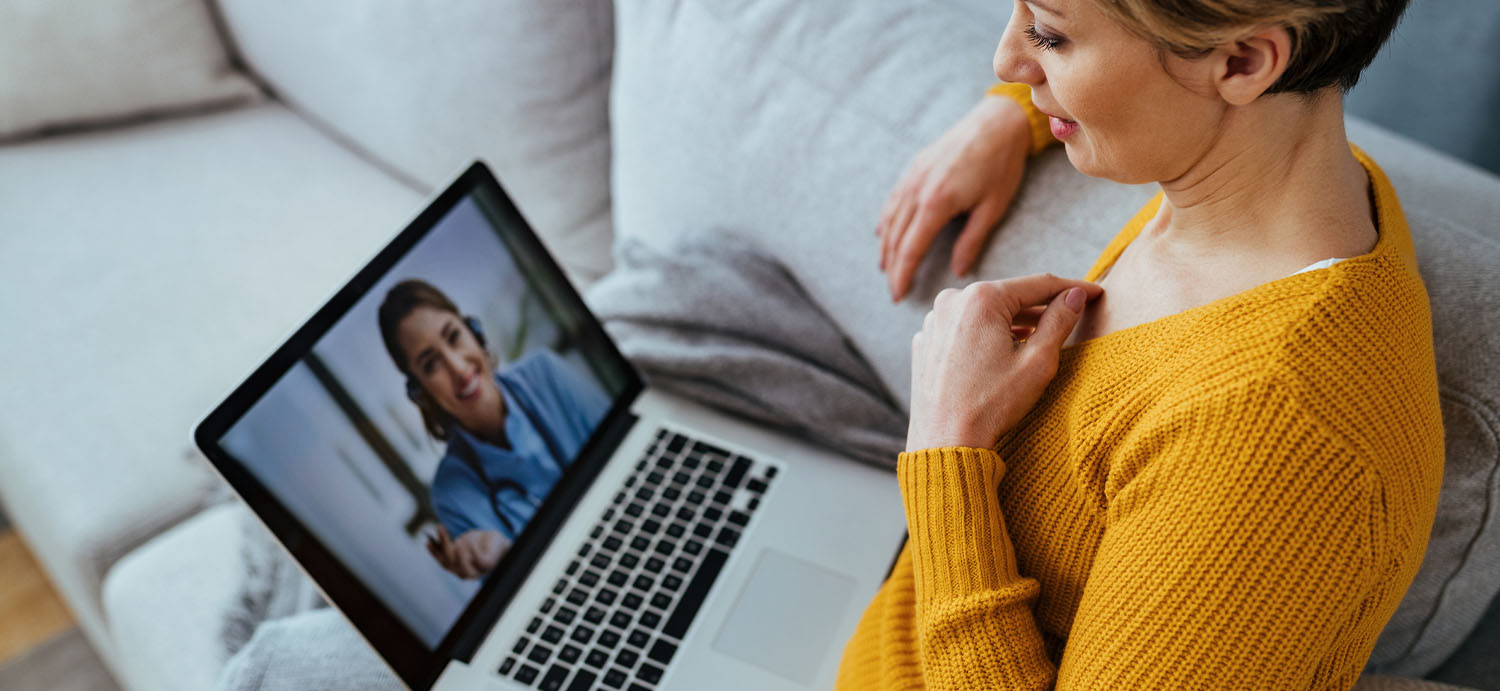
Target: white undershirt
1319,265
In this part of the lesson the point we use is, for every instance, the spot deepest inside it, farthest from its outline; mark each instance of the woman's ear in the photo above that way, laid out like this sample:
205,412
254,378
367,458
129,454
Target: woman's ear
1244,69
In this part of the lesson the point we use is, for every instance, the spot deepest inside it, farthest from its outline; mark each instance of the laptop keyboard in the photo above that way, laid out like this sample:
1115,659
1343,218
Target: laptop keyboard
628,597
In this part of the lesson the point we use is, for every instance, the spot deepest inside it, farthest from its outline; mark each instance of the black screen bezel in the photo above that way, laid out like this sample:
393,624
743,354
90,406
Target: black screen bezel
407,655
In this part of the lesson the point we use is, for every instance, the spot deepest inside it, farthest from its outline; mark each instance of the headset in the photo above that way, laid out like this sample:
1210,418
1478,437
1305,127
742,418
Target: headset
415,392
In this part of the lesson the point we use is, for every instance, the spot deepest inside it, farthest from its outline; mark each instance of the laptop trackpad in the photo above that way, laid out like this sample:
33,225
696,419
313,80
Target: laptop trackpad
785,618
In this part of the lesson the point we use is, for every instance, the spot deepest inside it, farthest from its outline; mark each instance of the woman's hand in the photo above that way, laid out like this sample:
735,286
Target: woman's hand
472,555
974,167
971,379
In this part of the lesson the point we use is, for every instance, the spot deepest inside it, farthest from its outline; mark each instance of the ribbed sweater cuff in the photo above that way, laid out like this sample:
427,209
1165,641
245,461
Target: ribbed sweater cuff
1041,129
959,546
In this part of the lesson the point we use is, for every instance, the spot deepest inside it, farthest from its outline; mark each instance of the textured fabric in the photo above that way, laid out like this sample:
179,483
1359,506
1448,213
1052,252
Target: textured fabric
717,322
83,62
313,650
165,602
819,130
426,88
1242,491
165,261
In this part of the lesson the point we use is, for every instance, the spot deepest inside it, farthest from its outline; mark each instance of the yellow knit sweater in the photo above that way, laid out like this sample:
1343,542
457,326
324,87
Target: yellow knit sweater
1235,496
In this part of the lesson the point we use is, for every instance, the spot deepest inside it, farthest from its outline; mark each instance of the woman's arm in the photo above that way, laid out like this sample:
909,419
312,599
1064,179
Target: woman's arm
974,168
1244,550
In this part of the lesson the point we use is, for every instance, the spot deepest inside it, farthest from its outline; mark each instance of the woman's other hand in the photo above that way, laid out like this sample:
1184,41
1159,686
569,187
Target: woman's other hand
472,555
972,379
975,167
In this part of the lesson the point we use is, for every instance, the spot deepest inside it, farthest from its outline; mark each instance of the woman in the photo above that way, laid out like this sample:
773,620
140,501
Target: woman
510,433
1213,465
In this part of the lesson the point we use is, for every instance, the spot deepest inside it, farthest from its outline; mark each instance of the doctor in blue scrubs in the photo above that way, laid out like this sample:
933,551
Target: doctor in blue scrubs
510,432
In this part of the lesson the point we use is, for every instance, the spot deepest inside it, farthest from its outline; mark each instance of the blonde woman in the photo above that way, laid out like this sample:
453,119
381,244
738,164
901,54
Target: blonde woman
1215,462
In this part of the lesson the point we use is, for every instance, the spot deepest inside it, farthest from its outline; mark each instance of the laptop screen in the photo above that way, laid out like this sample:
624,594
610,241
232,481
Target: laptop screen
412,431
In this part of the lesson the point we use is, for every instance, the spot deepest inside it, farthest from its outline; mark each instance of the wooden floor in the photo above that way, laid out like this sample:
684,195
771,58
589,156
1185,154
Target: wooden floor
31,613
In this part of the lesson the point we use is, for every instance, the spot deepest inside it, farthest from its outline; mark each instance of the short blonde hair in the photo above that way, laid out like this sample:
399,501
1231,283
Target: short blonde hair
1333,41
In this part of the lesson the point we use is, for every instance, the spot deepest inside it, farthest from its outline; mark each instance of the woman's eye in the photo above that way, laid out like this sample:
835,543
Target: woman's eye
1041,40
453,337
426,367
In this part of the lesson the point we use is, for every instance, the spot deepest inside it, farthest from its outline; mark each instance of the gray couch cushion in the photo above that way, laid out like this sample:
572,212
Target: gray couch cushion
427,87
787,122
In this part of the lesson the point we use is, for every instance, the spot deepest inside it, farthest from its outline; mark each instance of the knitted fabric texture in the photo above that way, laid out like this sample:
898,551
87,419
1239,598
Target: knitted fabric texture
1235,496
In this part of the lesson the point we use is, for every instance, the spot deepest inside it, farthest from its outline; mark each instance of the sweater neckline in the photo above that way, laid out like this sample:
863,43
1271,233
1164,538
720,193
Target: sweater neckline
1392,236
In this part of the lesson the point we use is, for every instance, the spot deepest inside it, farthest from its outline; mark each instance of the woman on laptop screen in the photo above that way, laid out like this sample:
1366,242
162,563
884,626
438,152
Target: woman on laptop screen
510,432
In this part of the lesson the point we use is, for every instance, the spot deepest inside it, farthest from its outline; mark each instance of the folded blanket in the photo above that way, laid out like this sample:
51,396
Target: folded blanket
711,320
719,323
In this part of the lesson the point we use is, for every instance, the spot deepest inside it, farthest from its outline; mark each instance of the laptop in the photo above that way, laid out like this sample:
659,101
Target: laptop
456,453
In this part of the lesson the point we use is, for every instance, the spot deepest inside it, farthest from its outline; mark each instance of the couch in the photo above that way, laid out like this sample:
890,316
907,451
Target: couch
179,196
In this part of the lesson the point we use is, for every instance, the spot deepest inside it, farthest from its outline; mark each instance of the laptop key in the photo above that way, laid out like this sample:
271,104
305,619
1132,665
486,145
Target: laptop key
649,673
539,654
728,537
737,472
638,638
770,472
554,679
756,486
695,497
615,678
627,658
722,497
629,560
661,509
662,652
661,601
594,615
609,639
553,634
583,682
573,567
613,543
527,674
665,547
703,530
676,443
644,583
596,658
606,597
578,596
672,582
651,526
715,466
570,654
533,627
635,510
705,481
671,493
676,529
583,634
650,619
520,646
682,564
638,687
618,578
548,604
697,591
712,514
589,578
655,565
619,619
565,615
739,518
508,665
632,601
562,584
693,547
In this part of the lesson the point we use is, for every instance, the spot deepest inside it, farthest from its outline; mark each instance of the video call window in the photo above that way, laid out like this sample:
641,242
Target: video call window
420,434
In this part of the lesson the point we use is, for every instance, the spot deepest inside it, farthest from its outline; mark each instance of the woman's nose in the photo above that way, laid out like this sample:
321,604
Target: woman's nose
1012,62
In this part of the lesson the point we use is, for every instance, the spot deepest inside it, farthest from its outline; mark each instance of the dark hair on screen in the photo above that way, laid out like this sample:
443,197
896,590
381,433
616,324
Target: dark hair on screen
403,299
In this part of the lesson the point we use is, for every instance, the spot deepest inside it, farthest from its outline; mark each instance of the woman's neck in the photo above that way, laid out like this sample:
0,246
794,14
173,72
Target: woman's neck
1278,186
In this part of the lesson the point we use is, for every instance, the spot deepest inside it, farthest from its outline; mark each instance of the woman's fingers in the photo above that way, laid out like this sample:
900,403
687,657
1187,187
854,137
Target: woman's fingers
1028,291
930,218
971,239
1058,321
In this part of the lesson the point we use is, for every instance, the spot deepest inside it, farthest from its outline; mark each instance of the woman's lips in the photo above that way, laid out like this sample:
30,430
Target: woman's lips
1061,128
470,388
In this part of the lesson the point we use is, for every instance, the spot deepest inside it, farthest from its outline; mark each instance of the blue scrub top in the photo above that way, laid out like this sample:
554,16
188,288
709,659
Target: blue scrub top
568,405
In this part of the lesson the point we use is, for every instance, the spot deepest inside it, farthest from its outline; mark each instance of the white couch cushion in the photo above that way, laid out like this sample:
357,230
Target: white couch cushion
147,271
166,601
428,87
88,61
818,106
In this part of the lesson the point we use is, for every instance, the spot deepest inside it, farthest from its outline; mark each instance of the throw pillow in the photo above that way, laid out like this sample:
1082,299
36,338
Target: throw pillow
87,62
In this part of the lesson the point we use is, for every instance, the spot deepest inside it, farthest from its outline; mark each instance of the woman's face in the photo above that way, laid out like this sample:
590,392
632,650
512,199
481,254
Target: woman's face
446,359
1110,97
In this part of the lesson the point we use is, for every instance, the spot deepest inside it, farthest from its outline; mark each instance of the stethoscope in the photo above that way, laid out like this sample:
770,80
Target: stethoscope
494,486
